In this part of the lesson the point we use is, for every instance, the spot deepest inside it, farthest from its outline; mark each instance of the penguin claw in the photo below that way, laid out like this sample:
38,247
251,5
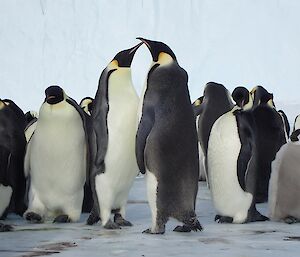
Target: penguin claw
121,221
223,219
33,217
62,219
183,228
5,228
149,231
291,220
111,225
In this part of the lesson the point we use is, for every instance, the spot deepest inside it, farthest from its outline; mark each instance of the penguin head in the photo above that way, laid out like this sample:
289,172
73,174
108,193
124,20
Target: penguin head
87,104
261,96
54,95
160,52
242,97
124,58
197,105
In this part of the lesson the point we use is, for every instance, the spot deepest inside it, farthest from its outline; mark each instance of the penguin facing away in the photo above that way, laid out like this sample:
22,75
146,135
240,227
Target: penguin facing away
270,134
242,98
232,167
56,160
284,188
114,124
166,143
12,150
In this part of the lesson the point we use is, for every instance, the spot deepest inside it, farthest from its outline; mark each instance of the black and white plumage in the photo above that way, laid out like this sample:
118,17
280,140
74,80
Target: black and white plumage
56,160
166,143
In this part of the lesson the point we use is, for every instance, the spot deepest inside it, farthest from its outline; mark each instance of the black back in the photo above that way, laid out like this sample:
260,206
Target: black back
166,142
12,151
216,102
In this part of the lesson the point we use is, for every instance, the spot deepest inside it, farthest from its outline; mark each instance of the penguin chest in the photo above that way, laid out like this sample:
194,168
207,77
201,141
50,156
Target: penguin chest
223,151
122,125
58,155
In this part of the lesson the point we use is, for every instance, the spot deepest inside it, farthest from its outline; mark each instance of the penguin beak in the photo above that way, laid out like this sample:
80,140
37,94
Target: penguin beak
125,57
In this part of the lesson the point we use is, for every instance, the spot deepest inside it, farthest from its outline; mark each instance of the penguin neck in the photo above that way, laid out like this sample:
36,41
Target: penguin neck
120,82
2,105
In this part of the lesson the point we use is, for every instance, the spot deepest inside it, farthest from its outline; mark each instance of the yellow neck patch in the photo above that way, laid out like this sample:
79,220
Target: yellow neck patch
164,58
2,105
197,102
113,65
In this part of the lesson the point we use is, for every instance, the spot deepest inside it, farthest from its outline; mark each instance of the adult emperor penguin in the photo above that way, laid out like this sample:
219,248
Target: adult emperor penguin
231,159
56,160
197,110
114,126
216,102
284,201
166,143
271,136
12,150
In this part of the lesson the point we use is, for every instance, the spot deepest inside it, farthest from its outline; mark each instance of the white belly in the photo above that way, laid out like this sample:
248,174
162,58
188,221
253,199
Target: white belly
5,195
223,150
58,159
120,161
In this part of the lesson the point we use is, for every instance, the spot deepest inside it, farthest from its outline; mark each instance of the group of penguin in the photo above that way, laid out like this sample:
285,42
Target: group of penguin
72,158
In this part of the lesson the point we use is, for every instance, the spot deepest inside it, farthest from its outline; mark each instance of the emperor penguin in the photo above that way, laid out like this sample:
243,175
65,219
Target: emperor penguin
271,136
216,102
56,160
284,188
114,125
231,161
197,110
166,143
12,150
87,104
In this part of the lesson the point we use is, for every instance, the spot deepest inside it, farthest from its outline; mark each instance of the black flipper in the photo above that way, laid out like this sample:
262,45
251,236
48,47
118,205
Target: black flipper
145,126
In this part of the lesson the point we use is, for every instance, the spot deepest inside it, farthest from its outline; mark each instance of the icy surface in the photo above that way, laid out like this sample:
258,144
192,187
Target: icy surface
235,240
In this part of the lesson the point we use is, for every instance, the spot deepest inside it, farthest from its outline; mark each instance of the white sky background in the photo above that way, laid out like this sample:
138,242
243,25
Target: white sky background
69,43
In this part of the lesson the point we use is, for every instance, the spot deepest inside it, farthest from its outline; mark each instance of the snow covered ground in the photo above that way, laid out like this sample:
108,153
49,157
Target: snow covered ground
244,240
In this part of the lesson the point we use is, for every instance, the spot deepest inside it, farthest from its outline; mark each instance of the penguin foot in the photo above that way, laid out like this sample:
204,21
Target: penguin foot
291,220
257,216
33,217
149,231
223,219
62,219
183,228
111,225
92,219
121,221
193,224
5,228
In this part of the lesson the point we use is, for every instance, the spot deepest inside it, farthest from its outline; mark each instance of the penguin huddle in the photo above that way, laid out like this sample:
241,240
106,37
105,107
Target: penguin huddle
72,158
